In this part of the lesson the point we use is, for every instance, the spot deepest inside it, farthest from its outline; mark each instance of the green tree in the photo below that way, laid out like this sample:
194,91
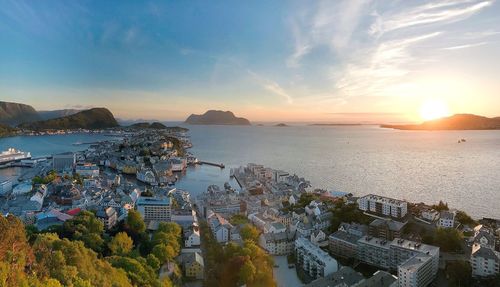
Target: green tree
135,224
87,228
139,273
153,261
168,239
164,253
448,239
121,244
249,232
247,272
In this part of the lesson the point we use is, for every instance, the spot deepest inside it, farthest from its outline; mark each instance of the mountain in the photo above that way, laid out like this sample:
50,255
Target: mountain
455,122
154,125
96,118
213,117
14,113
47,115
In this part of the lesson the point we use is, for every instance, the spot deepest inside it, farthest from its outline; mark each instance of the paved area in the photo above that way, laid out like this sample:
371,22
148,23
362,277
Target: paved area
284,276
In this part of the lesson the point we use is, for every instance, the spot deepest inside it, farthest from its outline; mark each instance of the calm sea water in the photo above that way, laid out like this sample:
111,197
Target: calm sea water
413,165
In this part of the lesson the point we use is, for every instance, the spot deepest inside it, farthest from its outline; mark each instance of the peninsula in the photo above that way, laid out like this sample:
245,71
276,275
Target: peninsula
96,118
214,117
455,122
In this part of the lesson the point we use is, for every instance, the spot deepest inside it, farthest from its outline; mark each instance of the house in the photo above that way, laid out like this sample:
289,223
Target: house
293,199
108,216
221,228
429,214
274,227
193,265
192,237
483,237
318,238
446,219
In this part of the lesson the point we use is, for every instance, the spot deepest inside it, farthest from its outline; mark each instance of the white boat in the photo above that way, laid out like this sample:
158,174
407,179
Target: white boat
13,155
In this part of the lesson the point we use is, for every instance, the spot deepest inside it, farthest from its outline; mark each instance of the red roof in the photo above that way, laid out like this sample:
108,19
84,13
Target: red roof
74,211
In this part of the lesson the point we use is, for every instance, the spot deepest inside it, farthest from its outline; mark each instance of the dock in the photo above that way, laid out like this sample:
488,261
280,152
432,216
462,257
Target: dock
221,165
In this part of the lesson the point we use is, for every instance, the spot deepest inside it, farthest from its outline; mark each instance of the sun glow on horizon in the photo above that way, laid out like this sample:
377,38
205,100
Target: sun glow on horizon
434,109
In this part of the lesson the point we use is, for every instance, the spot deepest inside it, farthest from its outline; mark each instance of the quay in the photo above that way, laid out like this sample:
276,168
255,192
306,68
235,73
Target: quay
221,165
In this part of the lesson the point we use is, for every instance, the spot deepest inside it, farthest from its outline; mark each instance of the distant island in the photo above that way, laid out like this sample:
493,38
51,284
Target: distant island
96,118
146,125
213,117
455,122
335,124
281,125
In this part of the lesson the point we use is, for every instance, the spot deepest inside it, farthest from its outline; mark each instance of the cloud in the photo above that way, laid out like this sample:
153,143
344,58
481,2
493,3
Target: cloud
432,13
375,46
460,47
272,87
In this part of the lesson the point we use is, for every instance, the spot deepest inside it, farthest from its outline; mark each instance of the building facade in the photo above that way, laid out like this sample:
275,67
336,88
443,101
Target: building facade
314,261
384,206
157,209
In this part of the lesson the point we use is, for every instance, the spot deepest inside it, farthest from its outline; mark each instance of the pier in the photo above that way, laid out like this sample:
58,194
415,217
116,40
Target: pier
221,165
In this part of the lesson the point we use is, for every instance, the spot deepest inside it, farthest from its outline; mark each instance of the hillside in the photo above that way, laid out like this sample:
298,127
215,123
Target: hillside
96,118
455,122
47,115
6,130
213,117
15,113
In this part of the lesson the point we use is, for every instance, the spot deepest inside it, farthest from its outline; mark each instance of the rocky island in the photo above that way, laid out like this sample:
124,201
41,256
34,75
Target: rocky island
213,117
455,122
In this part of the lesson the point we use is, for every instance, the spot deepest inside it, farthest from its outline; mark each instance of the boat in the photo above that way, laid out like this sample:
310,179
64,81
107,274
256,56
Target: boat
13,155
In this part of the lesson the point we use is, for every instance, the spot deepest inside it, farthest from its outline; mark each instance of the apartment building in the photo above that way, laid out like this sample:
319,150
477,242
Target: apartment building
384,206
315,262
281,243
157,209
484,261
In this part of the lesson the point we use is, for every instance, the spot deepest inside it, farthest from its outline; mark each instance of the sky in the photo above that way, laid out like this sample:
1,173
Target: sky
324,61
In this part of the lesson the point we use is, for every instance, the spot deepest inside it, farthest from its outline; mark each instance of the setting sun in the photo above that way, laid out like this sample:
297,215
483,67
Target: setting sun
434,109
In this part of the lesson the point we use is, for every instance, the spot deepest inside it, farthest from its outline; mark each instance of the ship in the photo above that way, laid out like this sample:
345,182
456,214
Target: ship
12,154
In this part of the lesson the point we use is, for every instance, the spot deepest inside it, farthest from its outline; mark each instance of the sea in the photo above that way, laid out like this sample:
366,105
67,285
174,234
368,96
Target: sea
418,166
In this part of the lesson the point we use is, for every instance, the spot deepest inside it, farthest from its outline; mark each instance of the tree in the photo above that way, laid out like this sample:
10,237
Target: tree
153,261
139,273
164,253
441,206
170,227
87,228
464,218
249,232
135,224
448,239
121,244
247,272
168,239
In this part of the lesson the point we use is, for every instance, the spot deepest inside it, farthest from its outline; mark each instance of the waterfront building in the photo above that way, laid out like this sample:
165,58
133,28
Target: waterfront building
485,262
146,176
281,243
384,206
446,219
386,228
157,209
314,261
63,161
429,214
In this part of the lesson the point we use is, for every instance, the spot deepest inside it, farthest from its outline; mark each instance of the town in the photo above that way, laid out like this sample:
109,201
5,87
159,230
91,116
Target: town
328,238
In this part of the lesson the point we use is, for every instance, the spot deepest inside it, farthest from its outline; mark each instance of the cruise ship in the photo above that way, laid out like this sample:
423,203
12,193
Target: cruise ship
13,155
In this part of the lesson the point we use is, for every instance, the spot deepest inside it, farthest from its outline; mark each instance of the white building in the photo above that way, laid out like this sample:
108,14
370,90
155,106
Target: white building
429,215
316,262
220,227
446,219
485,262
281,243
383,205
146,176
416,271
157,209
192,237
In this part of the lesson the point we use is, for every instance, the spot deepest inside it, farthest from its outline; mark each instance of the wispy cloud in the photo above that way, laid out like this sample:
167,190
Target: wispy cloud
432,13
375,45
272,87
459,47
